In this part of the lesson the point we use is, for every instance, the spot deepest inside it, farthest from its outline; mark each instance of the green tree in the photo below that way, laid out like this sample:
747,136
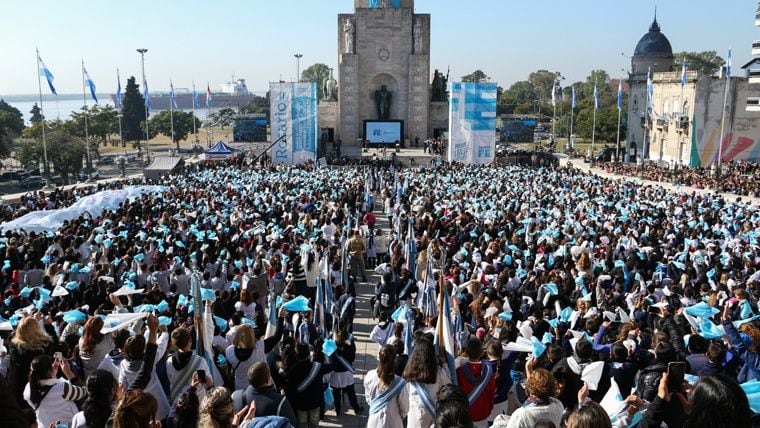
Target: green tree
257,105
183,125
133,112
475,76
36,113
606,124
65,152
543,81
318,73
705,62
221,117
11,126
519,98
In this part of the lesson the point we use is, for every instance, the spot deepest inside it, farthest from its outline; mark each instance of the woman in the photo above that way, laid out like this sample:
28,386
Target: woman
342,377
136,410
591,415
51,398
217,409
540,403
246,305
29,341
452,408
424,378
134,356
93,345
386,393
244,352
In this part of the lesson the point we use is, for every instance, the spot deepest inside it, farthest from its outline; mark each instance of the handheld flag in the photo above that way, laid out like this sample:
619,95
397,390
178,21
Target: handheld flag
89,83
683,73
45,71
728,64
117,99
573,92
620,95
172,96
208,95
596,97
444,333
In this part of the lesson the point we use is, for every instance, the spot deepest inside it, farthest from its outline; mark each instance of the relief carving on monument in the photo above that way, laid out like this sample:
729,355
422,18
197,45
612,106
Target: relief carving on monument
418,36
348,36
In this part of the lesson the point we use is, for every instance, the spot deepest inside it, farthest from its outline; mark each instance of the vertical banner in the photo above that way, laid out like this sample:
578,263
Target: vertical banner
472,123
293,114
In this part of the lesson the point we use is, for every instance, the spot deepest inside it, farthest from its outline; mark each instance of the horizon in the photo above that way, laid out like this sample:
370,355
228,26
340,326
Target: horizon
244,46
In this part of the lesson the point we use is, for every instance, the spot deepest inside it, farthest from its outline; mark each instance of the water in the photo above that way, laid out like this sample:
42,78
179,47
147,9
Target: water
63,106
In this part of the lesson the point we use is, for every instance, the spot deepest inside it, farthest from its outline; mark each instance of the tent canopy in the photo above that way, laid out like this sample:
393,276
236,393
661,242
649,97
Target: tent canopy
161,166
219,151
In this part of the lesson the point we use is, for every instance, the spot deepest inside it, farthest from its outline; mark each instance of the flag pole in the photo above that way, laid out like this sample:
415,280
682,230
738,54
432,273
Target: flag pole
593,127
171,114
195,135
723,116
45,166
680,98
570,144
86,127
617,147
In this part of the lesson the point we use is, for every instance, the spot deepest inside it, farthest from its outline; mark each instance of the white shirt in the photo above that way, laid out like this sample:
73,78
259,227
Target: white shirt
526,417
393,414
247,310
241,367
54,406
92,360
418,416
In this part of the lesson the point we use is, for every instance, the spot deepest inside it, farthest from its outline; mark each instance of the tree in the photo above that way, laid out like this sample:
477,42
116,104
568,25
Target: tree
102,122
257,105
65,153
36,113
705,62
606,124
221,117
133,112
183,124
475,76
543,81
519,98
318,73
11,126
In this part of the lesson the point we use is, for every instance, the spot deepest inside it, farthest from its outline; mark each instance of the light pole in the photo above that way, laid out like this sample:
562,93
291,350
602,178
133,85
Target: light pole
147,135
298,66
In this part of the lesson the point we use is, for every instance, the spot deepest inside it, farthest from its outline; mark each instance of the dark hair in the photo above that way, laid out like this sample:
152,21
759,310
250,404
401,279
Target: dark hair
136,410
589,415
474,348
134,349
120,337
453,408
386,365
181,338
697,344
40,370
186,413
618,352
91,335
258,374
665,352
716,353
97,406
583,349
718,401
422,363
544,423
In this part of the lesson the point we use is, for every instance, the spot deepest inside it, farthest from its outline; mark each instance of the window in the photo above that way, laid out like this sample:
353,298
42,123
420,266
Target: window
666,107
685,110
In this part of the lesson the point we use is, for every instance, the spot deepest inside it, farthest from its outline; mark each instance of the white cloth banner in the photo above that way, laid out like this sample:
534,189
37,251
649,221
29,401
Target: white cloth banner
472,123
293,114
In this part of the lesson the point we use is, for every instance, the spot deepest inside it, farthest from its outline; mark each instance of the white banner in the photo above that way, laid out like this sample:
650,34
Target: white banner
472,123
293,114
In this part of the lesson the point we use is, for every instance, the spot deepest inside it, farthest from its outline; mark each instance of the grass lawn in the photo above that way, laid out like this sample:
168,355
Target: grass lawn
163,143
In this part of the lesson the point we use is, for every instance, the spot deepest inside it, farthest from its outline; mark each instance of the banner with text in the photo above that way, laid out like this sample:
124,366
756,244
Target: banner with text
293,114
472,122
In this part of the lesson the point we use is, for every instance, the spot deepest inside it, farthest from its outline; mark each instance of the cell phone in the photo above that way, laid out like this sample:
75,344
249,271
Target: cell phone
654,309
58,357
676,371
202,375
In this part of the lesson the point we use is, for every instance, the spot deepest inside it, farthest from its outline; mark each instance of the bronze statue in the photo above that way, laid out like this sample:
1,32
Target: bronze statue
439,93
383,102
330,89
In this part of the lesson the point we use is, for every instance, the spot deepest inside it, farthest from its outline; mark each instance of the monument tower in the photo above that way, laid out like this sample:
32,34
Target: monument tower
384,64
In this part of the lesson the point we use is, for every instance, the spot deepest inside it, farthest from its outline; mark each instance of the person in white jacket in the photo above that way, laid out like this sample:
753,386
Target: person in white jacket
385,392
133,355
424,378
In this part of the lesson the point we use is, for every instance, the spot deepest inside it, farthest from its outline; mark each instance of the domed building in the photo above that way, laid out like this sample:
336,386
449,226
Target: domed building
653,50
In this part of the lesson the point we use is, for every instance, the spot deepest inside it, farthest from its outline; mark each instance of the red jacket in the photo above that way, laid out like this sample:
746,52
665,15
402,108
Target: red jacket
483,406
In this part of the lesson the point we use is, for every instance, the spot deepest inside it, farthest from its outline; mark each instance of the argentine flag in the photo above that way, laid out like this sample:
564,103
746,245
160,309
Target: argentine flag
573,100
45,71
596,97
683,74
554,95
620,95
196,99
89,83
728,64
171,94
444,335
208,95
118,90
146,94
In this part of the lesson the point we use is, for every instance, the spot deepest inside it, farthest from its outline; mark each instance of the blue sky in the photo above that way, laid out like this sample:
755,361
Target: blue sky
256,39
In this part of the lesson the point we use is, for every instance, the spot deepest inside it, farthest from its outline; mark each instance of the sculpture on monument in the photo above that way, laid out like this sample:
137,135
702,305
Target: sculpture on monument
383,102
418,36
348,36
329,91
439,92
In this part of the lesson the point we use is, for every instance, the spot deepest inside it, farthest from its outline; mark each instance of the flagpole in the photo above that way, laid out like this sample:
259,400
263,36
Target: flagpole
145,83
723,124
570,135
171,114
86,128
554,108
593,127
45,166
617,147
195,135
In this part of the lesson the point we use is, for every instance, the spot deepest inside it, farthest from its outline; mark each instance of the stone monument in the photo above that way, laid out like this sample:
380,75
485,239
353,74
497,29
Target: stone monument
384,64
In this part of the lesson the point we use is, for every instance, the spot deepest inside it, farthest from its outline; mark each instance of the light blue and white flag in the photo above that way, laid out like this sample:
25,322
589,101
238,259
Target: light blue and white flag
573,99
146,94
196,98
118,90
728,64
650,91
683,73
89,83
554,95
172,96
45,71
620,95
208,95
444,335
596,97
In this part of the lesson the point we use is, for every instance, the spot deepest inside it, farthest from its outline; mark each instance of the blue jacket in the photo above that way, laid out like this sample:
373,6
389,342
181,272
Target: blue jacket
751,368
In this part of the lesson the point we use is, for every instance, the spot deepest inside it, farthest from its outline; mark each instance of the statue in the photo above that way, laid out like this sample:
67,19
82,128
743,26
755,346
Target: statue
418,36
383,101
439,92
348,36
329,90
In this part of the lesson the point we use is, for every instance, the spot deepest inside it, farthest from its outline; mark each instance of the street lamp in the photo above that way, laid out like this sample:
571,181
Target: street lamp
298,66
147,135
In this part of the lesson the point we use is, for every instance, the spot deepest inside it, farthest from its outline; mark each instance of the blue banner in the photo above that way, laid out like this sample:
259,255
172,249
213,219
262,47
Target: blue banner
293,115
472,122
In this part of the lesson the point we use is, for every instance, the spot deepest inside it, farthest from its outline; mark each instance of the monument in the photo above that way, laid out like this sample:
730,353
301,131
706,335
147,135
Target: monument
384,69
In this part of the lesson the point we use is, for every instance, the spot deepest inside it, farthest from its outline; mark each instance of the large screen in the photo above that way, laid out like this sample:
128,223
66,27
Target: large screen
249,130
383,132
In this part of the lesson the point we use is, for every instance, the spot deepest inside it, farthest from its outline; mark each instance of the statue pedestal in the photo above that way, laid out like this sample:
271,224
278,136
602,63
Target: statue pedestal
439,116
348,98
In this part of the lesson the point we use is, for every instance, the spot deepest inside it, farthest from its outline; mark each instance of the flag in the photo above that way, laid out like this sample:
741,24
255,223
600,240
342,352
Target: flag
117,99
171,94
204,327
728,64
146,94
683,73
620,95
208,95
596,97
573,100
444,334
89,83
196,99
554,94
650,91
46,72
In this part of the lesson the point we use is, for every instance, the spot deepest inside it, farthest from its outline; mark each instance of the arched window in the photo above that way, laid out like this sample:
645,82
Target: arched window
666,107
676,104
685,110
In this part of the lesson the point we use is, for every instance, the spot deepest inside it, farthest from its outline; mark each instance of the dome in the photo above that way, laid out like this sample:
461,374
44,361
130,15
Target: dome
654,43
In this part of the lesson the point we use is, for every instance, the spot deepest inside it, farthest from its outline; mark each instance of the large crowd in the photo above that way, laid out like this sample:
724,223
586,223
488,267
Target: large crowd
509,296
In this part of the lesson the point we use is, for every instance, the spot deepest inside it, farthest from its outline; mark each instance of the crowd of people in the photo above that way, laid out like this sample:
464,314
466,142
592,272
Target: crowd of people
509,296
738,177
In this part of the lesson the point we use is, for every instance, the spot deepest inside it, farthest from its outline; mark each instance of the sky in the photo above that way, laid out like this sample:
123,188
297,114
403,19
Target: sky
256,39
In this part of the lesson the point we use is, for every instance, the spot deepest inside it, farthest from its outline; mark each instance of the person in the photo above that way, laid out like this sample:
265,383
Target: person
344,309
217,410
342,376
186,410
382,331
356,248
102,395
93,345
424,378
183,364
29,341
136,410
51,398
477,380
243,353
246,305
135,357
541,403
385,392
261,391
452,408
304,385
589,415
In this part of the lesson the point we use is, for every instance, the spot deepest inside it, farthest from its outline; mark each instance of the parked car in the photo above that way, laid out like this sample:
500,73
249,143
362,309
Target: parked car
83,175
32,182
106,160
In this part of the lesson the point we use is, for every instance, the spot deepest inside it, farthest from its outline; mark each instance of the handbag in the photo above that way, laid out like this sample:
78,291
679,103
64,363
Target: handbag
329,398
